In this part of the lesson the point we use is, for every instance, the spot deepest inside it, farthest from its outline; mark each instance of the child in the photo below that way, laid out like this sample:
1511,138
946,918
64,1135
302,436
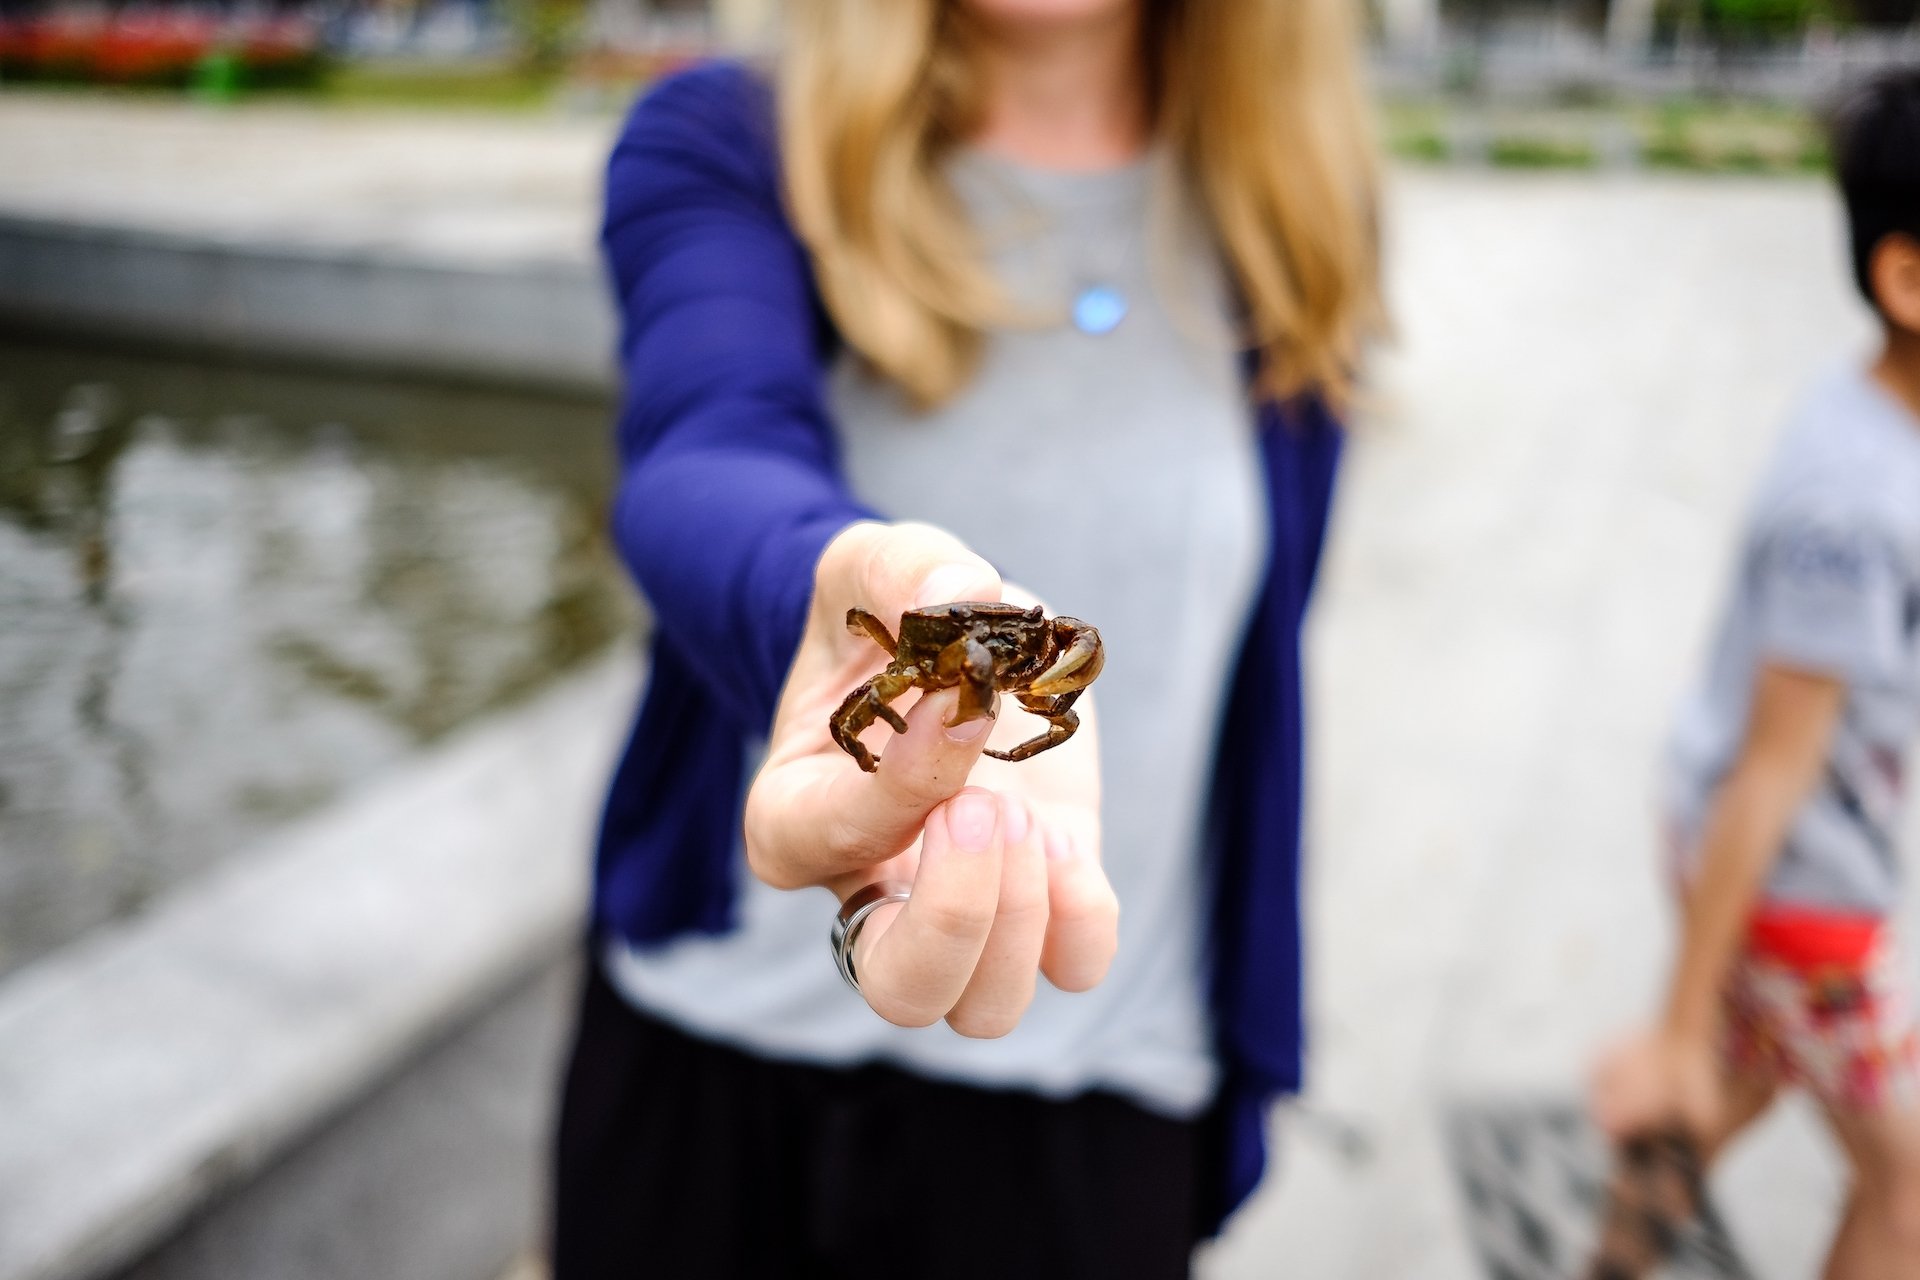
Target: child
1788,765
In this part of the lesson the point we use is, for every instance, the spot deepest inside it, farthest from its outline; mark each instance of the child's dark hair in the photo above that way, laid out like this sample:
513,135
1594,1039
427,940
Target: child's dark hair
1876,155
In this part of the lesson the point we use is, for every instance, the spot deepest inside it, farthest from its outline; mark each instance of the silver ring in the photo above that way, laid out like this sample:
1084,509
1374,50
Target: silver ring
853,913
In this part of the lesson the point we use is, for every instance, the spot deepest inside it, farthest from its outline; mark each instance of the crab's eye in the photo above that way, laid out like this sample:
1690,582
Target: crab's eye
1034,614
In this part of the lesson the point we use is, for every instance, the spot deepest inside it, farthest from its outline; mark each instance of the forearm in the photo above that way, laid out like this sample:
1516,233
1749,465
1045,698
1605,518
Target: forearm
1790,726
1670,1074
729,483
1746,829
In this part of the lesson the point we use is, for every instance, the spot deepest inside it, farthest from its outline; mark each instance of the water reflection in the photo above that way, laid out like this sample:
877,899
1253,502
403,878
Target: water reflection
226,596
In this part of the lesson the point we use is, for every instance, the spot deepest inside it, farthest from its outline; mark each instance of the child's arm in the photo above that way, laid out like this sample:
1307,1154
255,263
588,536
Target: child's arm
1789,731
1668,1074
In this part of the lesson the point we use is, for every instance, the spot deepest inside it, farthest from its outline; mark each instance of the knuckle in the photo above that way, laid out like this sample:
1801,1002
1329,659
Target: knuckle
888,581
918,538
1083,974
1072,981
984,1024
910,784
845,557
1091,906
958,921
900,555
845,839
773,871
912,795
915,549
1021,904
1080,963
901,1013
850,841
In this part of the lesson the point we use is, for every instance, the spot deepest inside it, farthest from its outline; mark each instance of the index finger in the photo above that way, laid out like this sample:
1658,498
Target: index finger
890,569
818,817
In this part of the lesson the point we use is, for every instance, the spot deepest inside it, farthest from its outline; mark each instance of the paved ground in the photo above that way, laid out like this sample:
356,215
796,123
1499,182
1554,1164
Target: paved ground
493,191
1589,371
1528,553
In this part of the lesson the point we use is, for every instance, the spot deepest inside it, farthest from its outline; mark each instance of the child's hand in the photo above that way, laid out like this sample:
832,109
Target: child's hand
1654,1080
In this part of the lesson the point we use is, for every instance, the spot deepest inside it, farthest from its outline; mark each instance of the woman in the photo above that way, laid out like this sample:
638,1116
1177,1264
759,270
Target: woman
1066,287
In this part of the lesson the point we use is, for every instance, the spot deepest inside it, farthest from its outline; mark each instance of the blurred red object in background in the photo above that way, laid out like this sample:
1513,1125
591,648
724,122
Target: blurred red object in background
157,48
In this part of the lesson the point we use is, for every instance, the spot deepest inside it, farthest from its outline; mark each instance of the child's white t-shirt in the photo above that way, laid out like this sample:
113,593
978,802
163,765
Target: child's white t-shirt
1827,580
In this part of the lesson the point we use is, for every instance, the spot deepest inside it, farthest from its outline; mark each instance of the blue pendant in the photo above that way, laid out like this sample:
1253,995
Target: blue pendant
1099,309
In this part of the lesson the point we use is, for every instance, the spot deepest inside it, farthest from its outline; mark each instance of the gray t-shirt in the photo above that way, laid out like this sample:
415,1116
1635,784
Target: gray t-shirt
1828,581
1117,476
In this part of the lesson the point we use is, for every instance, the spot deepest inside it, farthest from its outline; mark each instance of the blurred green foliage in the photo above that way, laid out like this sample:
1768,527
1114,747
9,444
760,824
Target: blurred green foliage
1689,135
1427,146
484,86
1754,22
1527,152
546,32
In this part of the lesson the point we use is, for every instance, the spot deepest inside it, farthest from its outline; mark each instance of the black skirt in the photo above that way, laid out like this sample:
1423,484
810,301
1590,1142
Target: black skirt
680,1158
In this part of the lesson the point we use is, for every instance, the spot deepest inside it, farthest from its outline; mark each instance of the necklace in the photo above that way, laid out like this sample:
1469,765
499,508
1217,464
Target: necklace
1100,302
1098,309
1091,253
1099,298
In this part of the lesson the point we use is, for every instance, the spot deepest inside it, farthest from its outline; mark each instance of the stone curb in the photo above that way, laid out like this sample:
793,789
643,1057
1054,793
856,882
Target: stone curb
537,321
152,1065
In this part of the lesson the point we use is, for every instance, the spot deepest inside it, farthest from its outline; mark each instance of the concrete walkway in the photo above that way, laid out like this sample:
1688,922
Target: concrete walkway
493,191
1530,548
1530,545
453,245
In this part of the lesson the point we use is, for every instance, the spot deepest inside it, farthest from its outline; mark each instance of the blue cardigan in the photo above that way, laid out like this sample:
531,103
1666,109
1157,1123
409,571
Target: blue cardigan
730,487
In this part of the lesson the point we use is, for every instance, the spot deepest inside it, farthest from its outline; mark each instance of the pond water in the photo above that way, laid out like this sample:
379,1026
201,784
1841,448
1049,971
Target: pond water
228,594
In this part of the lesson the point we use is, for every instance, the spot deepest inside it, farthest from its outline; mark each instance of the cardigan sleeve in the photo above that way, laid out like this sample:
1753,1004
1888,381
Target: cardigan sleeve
729,484
1321,450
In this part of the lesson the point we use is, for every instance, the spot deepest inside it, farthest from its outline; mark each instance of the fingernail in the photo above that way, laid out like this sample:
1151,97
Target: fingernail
970,819
1018,821
944,703
968,730
1059,846
946,584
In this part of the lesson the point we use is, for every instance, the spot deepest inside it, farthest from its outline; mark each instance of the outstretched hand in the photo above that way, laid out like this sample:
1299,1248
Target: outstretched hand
1005,873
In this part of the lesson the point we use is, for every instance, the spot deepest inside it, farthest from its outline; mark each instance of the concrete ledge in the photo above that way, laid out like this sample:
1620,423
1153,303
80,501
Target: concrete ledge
439,1174
151,1067
537,321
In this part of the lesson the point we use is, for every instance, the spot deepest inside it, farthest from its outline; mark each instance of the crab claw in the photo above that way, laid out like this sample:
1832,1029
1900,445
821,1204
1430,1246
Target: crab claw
1077,666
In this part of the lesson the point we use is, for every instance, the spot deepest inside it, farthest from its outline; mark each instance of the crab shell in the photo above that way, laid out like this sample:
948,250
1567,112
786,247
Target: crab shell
1030,653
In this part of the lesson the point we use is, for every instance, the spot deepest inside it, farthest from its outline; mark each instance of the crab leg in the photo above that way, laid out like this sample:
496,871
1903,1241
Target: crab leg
972,662
860,622
865,705
1061,719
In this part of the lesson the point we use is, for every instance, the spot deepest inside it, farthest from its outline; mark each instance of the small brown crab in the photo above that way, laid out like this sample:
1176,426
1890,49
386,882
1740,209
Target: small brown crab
984,648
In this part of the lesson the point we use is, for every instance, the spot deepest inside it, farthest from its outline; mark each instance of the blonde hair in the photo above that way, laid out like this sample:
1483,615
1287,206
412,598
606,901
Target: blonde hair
1258,102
